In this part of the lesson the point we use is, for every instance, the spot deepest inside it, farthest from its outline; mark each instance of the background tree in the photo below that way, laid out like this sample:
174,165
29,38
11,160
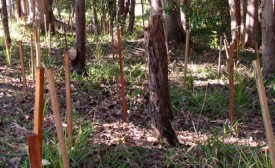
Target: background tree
79,62
175,30
252,23
235,17
268,38
160,104
5,22
132,16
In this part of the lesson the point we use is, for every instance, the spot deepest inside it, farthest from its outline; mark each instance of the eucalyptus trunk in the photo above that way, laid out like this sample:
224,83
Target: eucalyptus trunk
79,62
156,50
252,23
175,30
268,38
132,17
5,22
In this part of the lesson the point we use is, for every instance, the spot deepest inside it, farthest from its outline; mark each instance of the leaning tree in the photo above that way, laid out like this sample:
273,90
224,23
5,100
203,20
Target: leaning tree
160,104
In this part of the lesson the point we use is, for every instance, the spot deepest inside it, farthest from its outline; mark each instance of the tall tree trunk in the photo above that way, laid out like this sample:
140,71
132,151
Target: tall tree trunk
252,23
160,105
268,38
174,27
5,22
9,8
95,23
243,18
51,15
24,9
19,9
120,13
132,17
79,62
235,17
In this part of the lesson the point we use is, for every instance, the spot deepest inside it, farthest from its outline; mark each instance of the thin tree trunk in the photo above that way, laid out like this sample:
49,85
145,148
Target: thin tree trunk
9,8
120,11
79,62
5,22
160,104
132,17
95,23
268,38
252,23
243,18
19,9
235,17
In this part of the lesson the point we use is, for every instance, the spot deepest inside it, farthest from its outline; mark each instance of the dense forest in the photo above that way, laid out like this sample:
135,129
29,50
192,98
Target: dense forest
136,83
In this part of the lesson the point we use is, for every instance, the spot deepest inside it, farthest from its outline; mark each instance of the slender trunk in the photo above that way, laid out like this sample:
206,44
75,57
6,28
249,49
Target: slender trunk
252,23
24,9
51,15
95,23
5,22
132,17
268,38
19,9
160,104
235,17
9,8
120,11
243,18
79,62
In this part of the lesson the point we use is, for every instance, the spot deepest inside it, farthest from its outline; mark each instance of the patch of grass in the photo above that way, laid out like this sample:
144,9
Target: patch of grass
214,152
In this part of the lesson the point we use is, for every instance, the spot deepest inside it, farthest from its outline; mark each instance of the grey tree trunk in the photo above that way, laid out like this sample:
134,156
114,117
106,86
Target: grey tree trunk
268,38
79,62
160,105
9,8
252,23
132,17
5,22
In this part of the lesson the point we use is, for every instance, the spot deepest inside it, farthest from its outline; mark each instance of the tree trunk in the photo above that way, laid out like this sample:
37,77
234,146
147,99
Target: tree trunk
51,15
5,22
120,13
252,23
79,62
174,27
9,8
132,17
95,23
234,17
243,17
268,38
160,105
19,9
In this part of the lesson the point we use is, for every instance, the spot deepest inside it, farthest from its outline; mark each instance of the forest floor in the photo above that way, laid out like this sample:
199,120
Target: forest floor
201,110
